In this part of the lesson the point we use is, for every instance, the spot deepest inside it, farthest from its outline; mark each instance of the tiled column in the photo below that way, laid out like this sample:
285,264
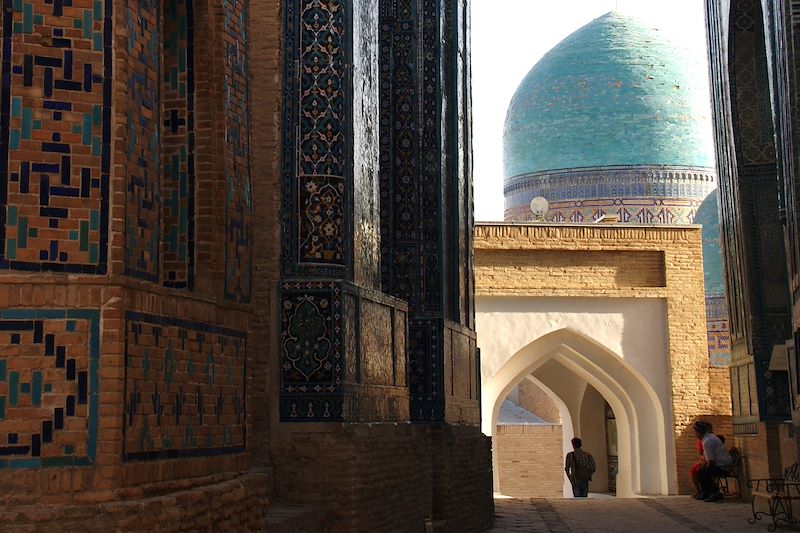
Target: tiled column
426,202
342,340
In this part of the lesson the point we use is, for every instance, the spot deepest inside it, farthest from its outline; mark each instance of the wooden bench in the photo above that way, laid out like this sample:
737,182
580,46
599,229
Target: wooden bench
735,476
780,495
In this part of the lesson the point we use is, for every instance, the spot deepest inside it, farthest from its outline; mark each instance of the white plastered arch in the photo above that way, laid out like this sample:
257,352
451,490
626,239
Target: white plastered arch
645,465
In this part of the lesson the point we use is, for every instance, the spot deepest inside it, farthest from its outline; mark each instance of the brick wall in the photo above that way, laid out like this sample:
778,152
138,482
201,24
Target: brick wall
355,472
536,401
769,451
720,385
575,269
225,502
129,372
530,460
462,479
265,51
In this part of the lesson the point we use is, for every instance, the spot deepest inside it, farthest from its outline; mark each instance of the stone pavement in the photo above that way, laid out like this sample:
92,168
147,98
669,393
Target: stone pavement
625,515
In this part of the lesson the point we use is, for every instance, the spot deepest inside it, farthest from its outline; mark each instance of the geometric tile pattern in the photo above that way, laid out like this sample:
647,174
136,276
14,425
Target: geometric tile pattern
49,387
750,108
185,388
636,194
178,144
55,133
314,151
311,352
142,150
238,206
719,335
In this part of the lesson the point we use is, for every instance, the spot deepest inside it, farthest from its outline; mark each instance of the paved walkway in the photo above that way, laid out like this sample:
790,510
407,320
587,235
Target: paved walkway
660,515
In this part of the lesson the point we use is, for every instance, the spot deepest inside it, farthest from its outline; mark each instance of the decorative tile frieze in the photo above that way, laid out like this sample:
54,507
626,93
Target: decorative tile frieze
185,388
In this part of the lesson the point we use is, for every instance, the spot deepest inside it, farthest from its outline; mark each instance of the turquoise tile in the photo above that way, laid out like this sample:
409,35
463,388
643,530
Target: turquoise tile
27,17
87,24
13,388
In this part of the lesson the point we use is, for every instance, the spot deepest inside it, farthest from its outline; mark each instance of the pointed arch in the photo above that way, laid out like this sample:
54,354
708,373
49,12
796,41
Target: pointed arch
647,464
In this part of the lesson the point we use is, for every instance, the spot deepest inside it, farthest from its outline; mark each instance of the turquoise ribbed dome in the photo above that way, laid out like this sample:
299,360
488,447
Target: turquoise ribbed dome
708,216
613,93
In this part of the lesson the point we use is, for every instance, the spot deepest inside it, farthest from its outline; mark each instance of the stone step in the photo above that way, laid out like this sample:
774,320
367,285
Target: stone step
282,518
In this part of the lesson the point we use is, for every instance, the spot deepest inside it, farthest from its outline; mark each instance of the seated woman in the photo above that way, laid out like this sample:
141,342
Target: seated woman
701,460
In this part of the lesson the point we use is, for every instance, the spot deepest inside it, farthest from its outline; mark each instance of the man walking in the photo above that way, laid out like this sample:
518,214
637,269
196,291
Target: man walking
579,468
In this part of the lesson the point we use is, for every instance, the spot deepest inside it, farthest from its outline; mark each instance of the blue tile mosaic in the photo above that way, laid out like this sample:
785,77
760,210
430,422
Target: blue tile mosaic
56,106
185,388
53,389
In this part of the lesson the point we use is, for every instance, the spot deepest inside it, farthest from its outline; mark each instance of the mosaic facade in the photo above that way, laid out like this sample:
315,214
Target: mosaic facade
426,369
751,102
412,187
238,203
314,158
752,127
764,314
49,387
329,189
316,240
312,359
399,146
161,141
178,144
55,128
719,335
142,137
185,388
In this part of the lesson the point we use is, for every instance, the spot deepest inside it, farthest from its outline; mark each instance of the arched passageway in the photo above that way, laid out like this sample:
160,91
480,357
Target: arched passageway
565,362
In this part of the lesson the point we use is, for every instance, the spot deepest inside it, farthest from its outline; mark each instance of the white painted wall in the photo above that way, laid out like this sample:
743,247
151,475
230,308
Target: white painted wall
633,328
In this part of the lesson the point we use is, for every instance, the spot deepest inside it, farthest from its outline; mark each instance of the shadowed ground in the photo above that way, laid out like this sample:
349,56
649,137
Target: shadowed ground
598,515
